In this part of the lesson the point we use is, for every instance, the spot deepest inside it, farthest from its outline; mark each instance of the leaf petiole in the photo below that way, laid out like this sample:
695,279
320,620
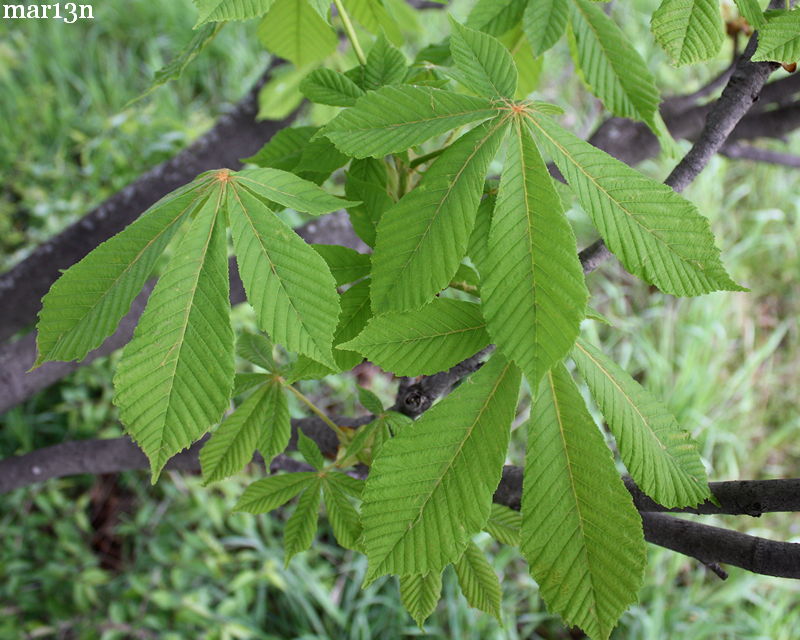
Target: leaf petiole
351,32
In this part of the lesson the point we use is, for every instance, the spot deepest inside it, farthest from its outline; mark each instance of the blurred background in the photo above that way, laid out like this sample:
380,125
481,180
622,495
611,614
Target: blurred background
114,557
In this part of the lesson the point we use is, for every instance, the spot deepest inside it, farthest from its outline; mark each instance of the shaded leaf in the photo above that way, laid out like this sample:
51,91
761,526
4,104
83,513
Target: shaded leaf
310,451
270,493
256,348
302,525
294,30
385,65
420,594
544,23
478,581
504,525
326,86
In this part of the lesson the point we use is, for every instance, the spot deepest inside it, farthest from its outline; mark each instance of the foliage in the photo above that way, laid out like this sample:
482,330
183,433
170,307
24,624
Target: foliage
420,240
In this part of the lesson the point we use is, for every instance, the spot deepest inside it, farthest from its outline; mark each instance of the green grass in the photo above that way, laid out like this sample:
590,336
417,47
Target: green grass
727,365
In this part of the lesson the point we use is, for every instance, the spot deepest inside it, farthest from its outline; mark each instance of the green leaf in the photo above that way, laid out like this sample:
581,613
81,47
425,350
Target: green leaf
287,189
281,96
385,65
276,430
267,494
529,68
256,348
346,265
287,282
533,291
661,457
374,18
689,30
294,30
395,118
368,181
479,240
466,279
485,65
657,235
218,10
581,534
284,149
341,514
351,486
751,11
495,17
431,485
423,342
319,160
420,594
244,382
613,69
310,451
326,86
544,23
87,302
175,376
422,239
478,581
370,401
233,443
504,525
302,525
779,38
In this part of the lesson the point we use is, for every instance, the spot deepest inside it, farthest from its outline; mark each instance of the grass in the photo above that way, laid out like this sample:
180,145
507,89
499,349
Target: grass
88,558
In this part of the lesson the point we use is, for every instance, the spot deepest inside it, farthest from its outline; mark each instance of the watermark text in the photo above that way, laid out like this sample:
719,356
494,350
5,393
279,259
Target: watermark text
67,12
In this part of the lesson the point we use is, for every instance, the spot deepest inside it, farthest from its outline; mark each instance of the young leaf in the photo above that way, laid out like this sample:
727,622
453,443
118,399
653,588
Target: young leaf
478,581
368,181
688,30
326,86
346,265
370,401
267,494
341,514
385,65
294,30
504,525
310,451
233,443
287,189
302,525
374,18
219,10
485,65
661,457
256,348
533,291
395,118
495,17
544,22
779,38
613,69
581,534
86,303
751,11
657,235
431,485
422,239
420,594
284,149
175,376
287,282
423,342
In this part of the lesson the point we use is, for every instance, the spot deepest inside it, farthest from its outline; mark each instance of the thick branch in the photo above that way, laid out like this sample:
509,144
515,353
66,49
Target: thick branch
236,135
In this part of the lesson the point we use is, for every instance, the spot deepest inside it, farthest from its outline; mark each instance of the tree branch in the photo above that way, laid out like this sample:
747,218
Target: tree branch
749,152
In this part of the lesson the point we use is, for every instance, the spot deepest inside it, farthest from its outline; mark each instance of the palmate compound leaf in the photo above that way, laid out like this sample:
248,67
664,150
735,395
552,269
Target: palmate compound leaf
657,235
688,30
175,376
661,457
779,38
420,594
422,239
431,485
87,302
613,69
581,534
261,421
544,22
395,118
423,342
478,581
485,66
533,291
267,494
287,282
